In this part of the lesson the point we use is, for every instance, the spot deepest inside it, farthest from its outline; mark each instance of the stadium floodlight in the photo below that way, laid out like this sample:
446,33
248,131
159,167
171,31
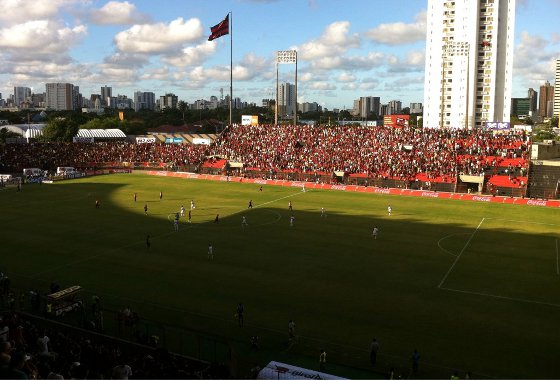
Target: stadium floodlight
286,56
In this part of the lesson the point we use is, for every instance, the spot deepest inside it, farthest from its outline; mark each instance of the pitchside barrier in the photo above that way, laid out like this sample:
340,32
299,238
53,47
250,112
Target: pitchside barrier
366,189
134,329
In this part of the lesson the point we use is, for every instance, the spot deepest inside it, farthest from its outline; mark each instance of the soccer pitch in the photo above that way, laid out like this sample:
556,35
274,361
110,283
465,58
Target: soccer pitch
473,286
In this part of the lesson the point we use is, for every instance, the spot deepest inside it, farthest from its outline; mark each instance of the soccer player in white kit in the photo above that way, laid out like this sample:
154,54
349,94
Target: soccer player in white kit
210,252
182,211
244,222
292,219
375,232
390,210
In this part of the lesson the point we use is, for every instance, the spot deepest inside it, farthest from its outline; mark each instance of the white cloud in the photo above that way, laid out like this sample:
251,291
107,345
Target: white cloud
21,11
321,86
534,60
399,33
40,37
192,55
346,77
367,62
159,38
333,42
118,13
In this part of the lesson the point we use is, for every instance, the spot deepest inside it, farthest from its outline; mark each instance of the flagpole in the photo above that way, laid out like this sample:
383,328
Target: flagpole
230,66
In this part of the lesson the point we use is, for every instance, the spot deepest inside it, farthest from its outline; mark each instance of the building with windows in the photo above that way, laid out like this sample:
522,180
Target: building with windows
556,111
520,107
59,96
469,62
168,101
533,101
286,99
21,95
144,101
394,107
369,105
106,95
416,108
546,98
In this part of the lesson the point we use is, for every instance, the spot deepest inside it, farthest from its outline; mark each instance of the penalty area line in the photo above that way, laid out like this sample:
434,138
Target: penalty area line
501,297
460,254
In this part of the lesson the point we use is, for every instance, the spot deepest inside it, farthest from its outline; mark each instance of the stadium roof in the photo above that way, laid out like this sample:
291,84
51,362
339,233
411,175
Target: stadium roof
101,133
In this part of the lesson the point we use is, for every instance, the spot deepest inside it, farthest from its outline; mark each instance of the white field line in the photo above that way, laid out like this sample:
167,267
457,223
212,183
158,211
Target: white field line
524,221
36,275
460,254
501,297
445,237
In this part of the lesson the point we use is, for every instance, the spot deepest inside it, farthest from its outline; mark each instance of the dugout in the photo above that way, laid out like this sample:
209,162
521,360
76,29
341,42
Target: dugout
64,301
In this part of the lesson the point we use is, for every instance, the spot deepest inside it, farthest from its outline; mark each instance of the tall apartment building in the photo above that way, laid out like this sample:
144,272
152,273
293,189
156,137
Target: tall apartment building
533,101
168,101
144,100
546,98
59,96
286,99
469,62
394,107
416,108
369,105
520,106
556,111
106,95
21,94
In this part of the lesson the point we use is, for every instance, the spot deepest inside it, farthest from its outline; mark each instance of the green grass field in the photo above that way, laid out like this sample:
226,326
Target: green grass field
473,286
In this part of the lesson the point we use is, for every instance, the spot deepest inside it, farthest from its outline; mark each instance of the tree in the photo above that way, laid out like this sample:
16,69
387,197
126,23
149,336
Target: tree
6,133
182,107
60,129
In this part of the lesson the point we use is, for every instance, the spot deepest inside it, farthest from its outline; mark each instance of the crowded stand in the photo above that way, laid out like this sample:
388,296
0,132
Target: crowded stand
403,154
48,156
379,152
32,350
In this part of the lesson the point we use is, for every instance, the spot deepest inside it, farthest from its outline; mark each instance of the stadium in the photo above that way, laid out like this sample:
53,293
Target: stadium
250,253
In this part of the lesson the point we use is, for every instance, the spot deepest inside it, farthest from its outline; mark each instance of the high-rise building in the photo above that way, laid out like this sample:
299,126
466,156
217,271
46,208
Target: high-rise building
533,101
144,100
369,105
546,96
394,107
21,94
556,111
59,96
106,95
416,108
520,106
469,62
168,101
286,99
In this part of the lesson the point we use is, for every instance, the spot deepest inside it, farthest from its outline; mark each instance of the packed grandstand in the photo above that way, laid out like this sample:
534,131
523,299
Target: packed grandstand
383,156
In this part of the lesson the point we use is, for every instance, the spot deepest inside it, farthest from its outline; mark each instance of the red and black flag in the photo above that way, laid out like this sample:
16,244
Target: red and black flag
220,29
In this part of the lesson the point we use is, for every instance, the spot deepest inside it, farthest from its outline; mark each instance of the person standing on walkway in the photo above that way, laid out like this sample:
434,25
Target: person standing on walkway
291,330
322,360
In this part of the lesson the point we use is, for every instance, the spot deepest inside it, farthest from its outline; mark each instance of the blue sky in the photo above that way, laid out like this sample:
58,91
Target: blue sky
346,49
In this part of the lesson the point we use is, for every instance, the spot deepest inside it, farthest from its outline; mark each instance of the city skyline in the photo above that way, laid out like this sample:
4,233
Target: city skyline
361,48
